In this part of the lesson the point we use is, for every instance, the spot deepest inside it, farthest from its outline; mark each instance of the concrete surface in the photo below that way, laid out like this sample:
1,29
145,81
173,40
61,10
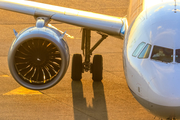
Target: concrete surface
68,100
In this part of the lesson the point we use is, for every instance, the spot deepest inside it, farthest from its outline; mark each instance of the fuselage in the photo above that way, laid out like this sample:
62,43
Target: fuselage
151,56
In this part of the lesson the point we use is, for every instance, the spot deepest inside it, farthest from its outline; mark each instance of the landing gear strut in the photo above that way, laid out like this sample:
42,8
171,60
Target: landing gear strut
96,68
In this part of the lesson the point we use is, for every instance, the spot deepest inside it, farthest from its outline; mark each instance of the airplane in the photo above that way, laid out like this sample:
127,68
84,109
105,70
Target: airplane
39,55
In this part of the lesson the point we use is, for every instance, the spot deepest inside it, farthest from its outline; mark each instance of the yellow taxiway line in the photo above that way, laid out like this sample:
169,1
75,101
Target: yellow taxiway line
23,91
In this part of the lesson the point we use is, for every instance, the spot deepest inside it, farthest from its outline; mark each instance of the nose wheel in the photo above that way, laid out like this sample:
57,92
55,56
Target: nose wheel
96,68
76,72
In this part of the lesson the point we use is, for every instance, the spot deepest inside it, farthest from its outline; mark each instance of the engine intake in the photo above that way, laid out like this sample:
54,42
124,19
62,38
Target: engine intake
38,58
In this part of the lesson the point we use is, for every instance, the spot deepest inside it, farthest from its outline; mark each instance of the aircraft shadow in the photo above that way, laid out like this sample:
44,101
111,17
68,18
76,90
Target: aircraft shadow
84,112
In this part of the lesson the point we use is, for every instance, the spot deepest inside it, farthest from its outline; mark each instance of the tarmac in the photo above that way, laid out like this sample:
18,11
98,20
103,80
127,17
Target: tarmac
70,100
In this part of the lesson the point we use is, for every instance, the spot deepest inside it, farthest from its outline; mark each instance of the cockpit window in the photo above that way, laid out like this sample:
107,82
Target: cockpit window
162,54
178,55
145,52
138,49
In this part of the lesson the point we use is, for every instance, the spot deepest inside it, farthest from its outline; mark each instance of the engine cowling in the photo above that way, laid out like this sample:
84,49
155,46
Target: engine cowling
38,58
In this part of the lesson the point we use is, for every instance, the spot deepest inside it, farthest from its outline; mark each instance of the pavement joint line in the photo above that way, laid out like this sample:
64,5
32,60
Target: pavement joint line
112,72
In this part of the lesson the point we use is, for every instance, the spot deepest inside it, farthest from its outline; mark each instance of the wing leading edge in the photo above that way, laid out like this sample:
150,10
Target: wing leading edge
98,22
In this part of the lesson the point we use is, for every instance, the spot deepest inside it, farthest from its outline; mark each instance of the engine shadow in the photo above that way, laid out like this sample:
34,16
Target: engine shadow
84,112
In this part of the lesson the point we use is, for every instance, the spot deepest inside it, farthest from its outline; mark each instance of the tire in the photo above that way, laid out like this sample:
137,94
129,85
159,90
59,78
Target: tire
76,72
97,68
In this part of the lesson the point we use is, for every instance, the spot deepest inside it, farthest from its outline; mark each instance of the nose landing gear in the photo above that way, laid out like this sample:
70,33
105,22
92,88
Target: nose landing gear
77,67
96,68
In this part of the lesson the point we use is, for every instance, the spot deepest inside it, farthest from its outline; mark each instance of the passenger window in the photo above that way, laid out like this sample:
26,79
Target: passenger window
145,52
162,54
138,49
178,55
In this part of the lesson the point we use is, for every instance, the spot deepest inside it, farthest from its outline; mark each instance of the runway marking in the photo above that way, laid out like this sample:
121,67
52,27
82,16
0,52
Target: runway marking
23,91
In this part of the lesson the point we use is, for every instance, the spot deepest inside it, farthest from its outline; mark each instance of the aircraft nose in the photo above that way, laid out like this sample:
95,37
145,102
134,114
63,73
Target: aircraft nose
166,86
164,91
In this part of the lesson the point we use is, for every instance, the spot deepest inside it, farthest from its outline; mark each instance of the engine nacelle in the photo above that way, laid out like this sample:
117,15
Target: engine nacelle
38,58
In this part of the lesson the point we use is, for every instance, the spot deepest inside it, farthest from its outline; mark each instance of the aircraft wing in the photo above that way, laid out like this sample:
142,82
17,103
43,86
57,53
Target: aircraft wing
108,24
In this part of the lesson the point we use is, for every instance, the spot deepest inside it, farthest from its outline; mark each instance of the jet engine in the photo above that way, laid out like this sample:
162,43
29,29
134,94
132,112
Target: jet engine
38,57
